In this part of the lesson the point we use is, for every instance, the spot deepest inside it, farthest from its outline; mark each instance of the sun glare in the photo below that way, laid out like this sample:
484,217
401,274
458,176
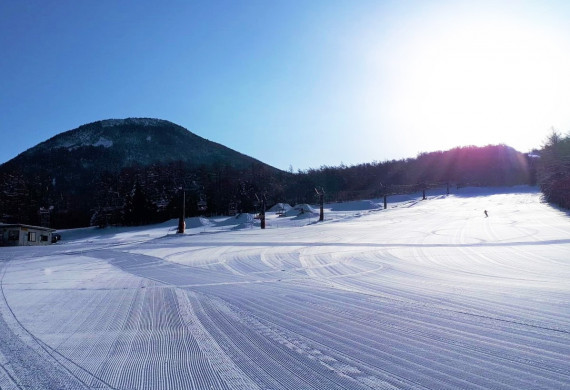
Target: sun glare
482,82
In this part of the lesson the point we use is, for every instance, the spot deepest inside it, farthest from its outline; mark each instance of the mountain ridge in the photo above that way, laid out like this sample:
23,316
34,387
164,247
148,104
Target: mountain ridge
139,141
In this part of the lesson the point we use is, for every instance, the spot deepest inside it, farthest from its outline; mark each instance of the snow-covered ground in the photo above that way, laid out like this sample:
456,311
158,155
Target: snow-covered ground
424,295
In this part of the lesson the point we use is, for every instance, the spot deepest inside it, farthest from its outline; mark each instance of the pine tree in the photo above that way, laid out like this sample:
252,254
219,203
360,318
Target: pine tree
138,210
554,169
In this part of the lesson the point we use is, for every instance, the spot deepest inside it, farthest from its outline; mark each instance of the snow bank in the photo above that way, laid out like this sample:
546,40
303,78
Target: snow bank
239,219
356,205
485,191
299,209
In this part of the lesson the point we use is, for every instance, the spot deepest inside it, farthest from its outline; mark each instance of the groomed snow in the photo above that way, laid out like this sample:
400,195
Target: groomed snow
424,295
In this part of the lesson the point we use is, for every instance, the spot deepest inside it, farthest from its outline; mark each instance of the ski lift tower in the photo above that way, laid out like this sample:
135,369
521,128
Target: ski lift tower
321,195
262,212
181,222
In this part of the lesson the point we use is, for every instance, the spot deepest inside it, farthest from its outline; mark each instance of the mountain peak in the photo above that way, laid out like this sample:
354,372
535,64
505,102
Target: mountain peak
118,143
134,121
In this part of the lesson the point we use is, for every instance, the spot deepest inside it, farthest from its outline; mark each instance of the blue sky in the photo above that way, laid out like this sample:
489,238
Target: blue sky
291,83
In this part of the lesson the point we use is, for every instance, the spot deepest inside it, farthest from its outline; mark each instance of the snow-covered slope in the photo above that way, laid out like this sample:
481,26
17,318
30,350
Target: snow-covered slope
424,295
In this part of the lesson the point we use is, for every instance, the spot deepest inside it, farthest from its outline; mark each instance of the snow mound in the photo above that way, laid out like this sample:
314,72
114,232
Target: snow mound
280,208
302,208
196,222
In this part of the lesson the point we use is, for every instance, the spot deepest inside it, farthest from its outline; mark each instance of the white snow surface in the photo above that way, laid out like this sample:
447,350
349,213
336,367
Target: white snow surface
423,295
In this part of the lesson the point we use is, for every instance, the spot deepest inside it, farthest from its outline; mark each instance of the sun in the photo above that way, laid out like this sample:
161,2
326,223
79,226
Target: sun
481,80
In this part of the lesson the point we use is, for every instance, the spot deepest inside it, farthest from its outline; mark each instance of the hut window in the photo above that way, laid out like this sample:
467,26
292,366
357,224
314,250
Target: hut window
32,236
43,237
13,235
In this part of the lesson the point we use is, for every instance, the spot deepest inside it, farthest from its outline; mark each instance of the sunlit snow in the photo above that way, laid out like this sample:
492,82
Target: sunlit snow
428,294
106,143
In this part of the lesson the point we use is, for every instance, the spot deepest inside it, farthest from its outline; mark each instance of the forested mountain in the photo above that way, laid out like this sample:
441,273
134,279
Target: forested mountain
136,171
83,175
113,144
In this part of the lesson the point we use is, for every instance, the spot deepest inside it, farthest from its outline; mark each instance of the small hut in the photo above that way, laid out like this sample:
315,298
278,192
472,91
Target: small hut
25,235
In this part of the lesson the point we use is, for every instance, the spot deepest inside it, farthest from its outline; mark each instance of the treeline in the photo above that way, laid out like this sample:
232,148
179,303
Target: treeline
494,165
135,195
142,195
74,196
553,164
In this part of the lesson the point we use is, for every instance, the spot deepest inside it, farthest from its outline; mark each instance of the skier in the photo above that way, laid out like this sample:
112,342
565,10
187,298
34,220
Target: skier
486,214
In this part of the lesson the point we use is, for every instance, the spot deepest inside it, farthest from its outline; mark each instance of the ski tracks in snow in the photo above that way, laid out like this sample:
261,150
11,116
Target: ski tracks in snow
428,297
230,373
28,363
